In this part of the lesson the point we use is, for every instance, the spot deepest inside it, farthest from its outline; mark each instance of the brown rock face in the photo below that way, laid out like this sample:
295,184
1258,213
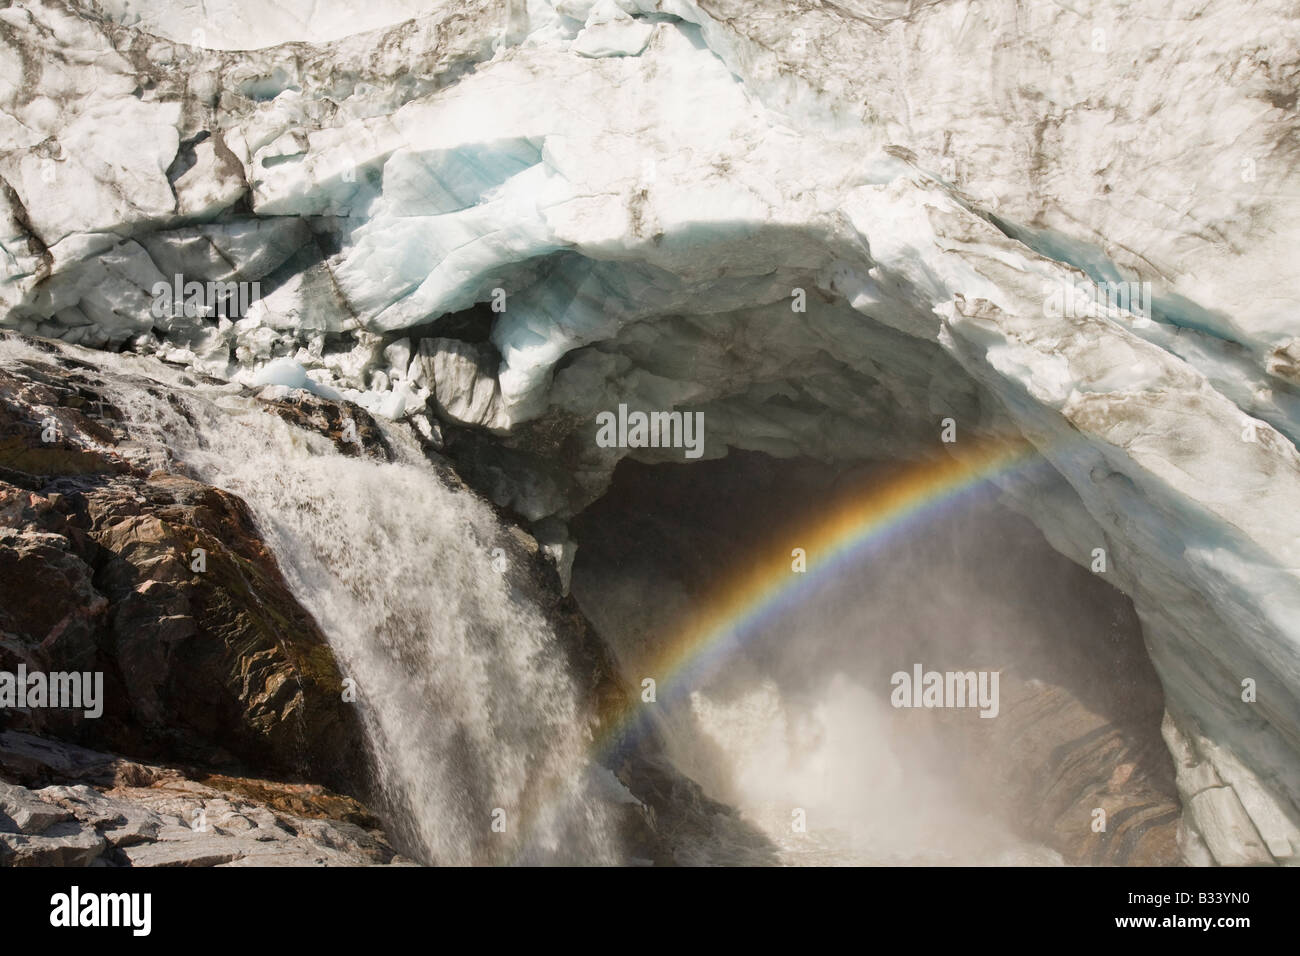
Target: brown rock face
1095,786
164,585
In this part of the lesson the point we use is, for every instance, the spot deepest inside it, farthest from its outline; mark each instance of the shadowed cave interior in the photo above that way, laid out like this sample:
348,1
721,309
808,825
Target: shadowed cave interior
798,716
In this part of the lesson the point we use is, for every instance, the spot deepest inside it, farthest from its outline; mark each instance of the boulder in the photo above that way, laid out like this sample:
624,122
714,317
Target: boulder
164,585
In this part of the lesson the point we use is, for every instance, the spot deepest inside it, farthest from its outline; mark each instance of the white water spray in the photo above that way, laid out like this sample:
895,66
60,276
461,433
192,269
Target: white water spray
470,710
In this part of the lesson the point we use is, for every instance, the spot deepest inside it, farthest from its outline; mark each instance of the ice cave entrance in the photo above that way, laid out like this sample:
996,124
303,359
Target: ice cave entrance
796,717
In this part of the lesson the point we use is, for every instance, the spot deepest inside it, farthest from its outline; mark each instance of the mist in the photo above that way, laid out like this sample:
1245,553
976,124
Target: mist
794,727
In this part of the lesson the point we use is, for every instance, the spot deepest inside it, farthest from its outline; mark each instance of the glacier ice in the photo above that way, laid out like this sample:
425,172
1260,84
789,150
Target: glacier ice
647,187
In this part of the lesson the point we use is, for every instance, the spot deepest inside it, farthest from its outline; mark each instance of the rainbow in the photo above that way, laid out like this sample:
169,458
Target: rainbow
762,591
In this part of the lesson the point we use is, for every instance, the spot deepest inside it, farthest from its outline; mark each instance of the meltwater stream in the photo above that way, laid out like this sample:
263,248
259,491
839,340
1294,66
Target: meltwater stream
471,713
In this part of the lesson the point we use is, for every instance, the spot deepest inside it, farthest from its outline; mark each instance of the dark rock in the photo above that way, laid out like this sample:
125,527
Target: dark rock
218,667
350,427
217,679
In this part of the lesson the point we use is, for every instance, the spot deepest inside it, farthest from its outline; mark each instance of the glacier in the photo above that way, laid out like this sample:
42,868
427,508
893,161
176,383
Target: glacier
827,228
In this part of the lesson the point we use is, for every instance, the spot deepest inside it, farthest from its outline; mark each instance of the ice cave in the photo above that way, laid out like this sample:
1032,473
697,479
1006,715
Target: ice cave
986,312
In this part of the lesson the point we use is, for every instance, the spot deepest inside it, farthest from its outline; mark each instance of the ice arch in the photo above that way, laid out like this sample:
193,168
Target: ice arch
650,197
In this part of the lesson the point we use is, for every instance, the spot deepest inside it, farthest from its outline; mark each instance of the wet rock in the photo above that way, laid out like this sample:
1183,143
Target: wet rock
1070,762
349,426
165,586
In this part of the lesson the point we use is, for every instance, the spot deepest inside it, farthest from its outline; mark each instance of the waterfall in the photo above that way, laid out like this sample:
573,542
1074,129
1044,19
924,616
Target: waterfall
464,689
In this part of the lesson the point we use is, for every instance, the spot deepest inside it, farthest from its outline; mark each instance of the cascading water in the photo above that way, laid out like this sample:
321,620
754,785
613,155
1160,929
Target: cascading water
472,716
473,708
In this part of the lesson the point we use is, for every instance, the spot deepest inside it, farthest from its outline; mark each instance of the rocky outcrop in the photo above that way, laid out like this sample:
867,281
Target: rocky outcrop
161,583
352,430
216,673
63,805
1096,787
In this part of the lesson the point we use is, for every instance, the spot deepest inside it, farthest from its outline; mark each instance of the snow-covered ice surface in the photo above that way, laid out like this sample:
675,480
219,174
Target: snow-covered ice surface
643,185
